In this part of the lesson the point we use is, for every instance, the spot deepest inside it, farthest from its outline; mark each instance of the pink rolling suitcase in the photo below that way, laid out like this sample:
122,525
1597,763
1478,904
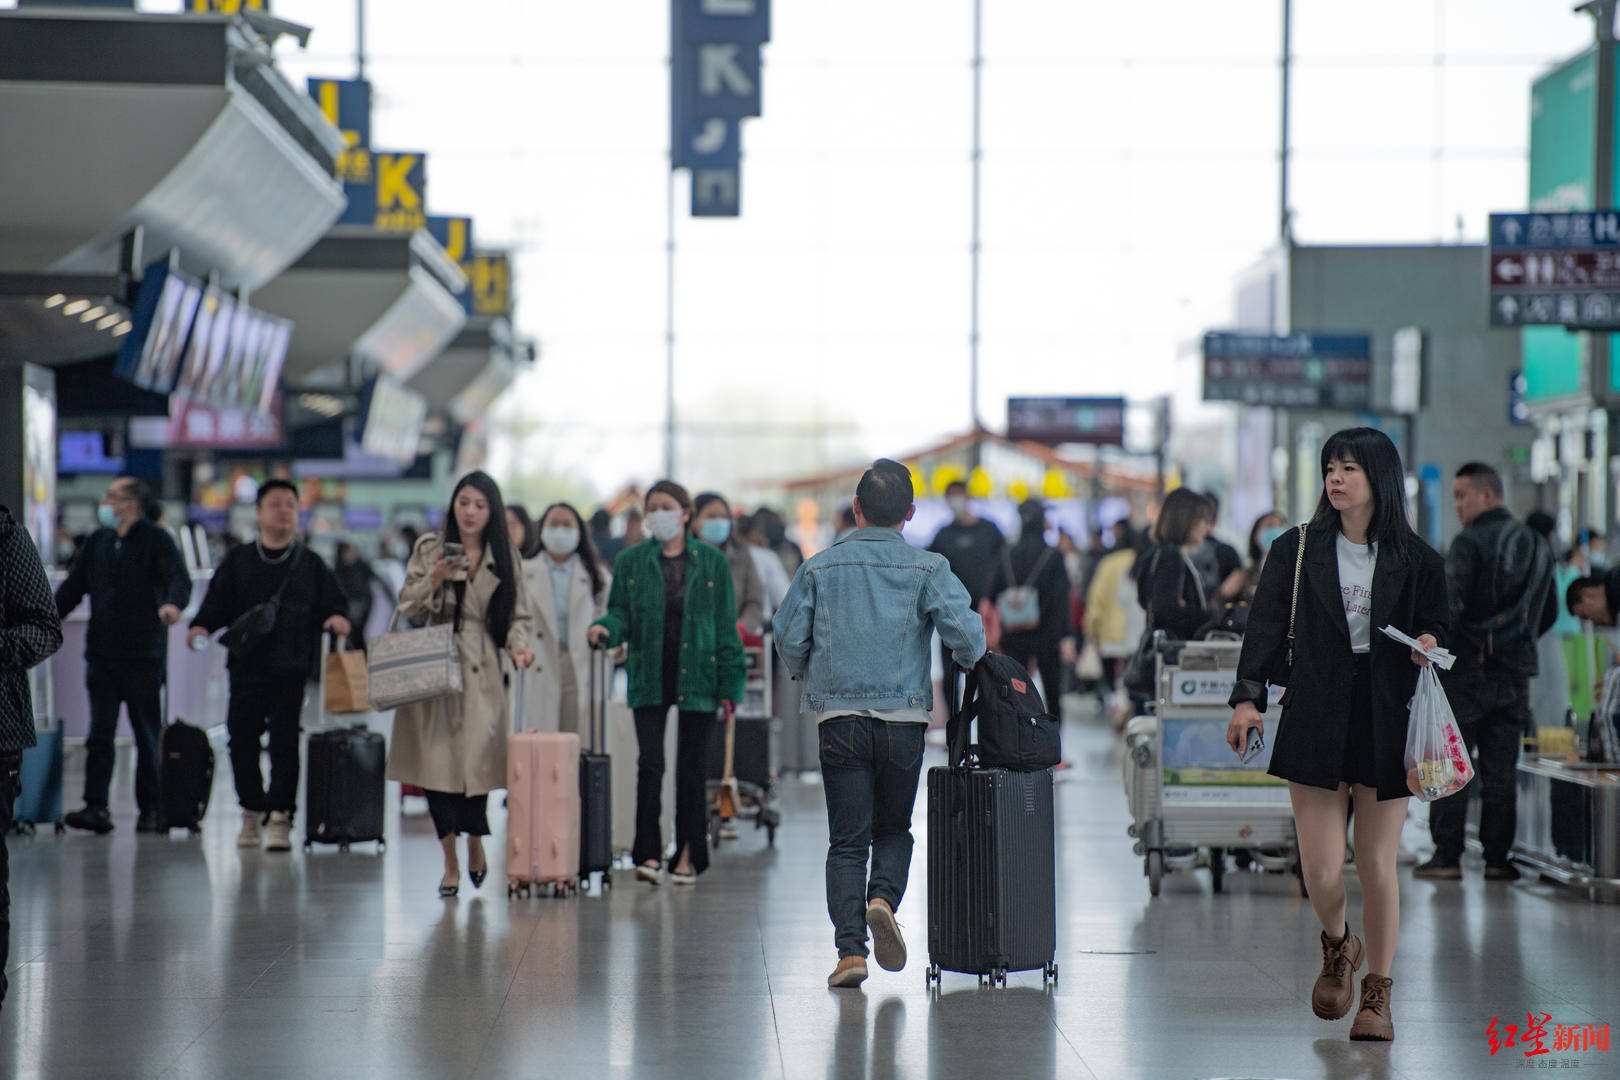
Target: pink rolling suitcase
542,811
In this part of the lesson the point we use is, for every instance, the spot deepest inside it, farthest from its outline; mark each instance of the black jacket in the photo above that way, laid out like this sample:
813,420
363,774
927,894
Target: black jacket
1409,594
312,596
30,631
1171,591
127,582
1051,587
1504,593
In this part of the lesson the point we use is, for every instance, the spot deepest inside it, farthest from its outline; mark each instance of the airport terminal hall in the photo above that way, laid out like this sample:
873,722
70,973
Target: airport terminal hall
832,541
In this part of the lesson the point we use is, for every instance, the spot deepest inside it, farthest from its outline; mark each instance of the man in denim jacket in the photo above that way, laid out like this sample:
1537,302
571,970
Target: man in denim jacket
856,626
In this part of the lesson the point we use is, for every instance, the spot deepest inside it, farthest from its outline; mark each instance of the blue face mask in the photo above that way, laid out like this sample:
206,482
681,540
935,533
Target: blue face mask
107,516
1268,536
715,531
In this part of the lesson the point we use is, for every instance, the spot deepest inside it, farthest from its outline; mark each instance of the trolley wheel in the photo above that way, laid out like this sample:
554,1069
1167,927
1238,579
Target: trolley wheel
1217,866
1155,871
344,848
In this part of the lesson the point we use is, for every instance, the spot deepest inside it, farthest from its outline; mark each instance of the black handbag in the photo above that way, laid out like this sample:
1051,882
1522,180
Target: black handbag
249,629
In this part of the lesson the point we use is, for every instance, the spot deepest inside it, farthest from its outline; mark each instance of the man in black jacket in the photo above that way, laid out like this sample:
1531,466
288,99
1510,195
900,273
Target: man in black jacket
269,676
138,585
1503,590
30,631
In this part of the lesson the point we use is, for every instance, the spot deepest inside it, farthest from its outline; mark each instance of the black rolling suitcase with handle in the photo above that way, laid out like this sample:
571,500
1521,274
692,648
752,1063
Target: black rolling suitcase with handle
343,794
992,904
185,773
596,781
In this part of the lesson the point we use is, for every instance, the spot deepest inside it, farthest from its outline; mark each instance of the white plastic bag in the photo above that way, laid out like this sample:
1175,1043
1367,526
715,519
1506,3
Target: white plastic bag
1437,762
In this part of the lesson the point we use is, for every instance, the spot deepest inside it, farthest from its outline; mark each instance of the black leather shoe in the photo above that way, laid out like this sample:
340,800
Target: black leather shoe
1438,869
1504,872
149,823
94,819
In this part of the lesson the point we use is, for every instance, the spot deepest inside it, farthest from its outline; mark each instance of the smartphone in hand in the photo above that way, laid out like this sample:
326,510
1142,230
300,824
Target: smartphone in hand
458,554
1256,744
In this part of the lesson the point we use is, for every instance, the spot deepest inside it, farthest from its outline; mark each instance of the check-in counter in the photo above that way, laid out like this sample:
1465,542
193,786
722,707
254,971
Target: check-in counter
196,680
1569,824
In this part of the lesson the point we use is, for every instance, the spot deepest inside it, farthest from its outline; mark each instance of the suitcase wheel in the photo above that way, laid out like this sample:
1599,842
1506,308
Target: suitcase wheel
931,976
343,848
1050,972
308,844
59,826
382,845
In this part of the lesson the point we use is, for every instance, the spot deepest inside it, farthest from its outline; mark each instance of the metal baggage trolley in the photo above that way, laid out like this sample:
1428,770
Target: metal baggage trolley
1191,799
753,796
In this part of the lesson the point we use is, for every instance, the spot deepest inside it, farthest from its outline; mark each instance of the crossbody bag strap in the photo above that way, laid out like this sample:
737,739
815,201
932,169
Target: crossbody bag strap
1293,606
1040,564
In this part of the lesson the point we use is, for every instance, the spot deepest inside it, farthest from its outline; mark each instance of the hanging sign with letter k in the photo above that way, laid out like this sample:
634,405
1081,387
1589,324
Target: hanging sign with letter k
715,82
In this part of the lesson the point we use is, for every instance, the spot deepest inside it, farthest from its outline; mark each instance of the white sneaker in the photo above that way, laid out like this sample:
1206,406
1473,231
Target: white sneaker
251,833
278,834
652,875
678,878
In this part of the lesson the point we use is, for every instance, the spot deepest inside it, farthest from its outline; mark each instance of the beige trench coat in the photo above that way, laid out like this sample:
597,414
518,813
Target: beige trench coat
458,743
542,705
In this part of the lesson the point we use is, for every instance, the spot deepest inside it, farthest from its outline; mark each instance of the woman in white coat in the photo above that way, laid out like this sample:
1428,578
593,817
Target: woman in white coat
567,589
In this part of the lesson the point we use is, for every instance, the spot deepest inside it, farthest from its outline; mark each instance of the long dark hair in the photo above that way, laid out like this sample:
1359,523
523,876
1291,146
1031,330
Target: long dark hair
1371,449
498,542
528,544
586,549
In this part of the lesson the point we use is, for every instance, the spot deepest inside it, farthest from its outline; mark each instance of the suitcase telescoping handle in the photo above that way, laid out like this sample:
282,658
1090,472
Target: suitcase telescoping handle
520,683
957,723
599,680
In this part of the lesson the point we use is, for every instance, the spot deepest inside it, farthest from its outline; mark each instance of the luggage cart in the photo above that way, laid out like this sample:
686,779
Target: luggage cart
753,796
1191,799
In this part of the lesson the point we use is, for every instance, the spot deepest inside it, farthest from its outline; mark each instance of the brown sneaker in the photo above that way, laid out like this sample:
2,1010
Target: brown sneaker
850,972
887,945
1335,988
1373,1023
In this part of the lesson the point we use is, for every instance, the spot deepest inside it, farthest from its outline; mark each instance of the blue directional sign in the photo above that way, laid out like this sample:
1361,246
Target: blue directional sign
715,76
1555,270
1311,371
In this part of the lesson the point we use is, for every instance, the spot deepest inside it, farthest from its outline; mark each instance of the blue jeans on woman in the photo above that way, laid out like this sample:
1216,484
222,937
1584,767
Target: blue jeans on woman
869,774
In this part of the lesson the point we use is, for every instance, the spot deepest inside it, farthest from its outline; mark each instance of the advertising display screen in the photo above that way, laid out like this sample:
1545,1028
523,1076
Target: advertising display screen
160,327
86,452
392,424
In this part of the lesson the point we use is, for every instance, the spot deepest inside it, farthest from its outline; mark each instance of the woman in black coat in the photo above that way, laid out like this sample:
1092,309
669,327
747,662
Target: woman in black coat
1342,734
1168,584
1033,563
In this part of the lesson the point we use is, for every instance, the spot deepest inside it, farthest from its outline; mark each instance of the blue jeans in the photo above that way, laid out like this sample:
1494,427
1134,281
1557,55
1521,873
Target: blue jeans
869,773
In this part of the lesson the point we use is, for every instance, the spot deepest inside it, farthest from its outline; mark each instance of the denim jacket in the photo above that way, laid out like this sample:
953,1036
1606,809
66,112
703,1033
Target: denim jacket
857,622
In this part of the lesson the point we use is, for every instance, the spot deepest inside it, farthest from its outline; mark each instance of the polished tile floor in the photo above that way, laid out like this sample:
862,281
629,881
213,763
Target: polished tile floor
180,957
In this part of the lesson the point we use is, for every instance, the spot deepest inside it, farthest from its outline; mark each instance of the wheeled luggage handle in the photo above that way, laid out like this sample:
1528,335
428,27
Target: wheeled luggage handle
957,741
596,722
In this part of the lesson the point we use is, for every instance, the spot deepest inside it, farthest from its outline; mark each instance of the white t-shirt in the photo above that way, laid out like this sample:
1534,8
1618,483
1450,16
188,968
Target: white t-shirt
1355,583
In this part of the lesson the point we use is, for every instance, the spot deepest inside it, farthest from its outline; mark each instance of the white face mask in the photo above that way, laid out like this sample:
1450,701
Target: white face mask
665,525
560,539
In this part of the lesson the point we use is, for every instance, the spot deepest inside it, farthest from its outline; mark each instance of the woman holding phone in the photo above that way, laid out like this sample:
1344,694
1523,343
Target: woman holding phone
1342,733
454,747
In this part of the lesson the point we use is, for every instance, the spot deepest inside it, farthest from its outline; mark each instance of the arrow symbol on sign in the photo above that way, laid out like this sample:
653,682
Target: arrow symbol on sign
711,138
1511,230
718,70
1509,308
1509,269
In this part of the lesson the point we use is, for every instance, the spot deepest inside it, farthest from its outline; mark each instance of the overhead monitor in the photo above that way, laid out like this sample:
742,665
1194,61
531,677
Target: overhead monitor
160,328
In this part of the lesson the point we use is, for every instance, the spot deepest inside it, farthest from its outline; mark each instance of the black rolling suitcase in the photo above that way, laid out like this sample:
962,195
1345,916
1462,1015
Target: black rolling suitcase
992,896
343,792
596,781
185,774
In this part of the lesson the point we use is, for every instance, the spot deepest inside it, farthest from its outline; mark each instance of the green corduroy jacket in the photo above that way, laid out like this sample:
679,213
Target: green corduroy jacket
712,663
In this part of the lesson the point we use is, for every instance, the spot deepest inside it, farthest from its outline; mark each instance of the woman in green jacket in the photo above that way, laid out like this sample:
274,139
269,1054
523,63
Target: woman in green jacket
672,603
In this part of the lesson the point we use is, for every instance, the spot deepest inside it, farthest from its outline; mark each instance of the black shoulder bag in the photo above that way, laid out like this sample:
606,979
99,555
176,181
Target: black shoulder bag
249,629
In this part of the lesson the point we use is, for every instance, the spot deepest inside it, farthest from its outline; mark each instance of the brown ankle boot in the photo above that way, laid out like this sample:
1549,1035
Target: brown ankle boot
1335,988
1373,1022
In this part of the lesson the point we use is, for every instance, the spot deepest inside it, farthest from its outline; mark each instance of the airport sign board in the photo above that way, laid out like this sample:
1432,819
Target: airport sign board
1555,269
1302,371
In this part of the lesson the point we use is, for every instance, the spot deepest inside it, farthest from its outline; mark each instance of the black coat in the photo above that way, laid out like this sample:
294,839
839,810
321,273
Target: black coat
30,631
1504,593
1409,594
1172,593
1051,588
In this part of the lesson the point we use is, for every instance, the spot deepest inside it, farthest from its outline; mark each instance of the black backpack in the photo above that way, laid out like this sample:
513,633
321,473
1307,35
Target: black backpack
1016,731
185,776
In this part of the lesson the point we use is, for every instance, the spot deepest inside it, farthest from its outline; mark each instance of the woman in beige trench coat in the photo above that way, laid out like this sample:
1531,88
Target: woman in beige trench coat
455,747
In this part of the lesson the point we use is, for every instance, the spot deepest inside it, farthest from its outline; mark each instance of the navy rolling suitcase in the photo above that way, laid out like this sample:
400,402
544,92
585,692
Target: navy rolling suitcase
343,793
992,895
39,795
596,781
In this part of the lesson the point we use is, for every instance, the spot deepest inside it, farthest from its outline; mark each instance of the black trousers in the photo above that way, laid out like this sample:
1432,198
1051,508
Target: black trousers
271,701
137,685
10,782
1024,649
453,813
691,785
1493,710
